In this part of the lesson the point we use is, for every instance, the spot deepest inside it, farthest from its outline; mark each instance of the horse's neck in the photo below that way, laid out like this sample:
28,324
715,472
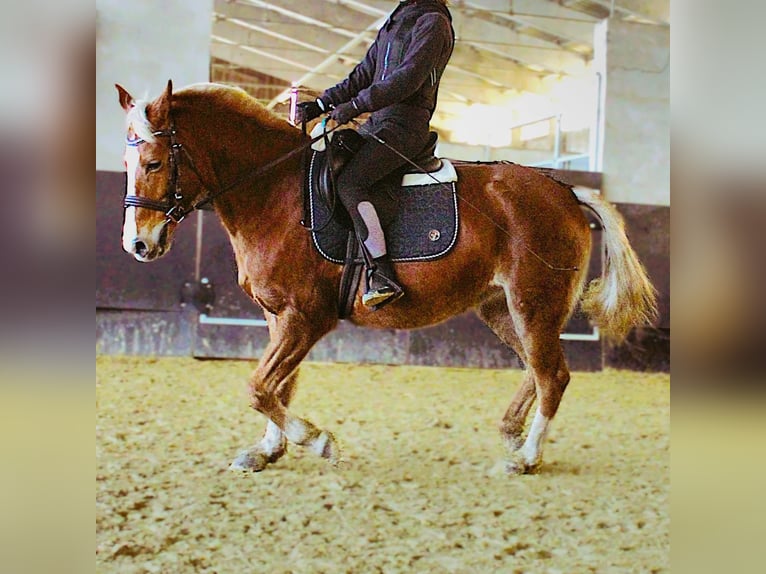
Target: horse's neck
261,196
262,206
262,215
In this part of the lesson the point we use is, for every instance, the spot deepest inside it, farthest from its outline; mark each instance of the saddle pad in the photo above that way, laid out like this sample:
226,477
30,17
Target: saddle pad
424,225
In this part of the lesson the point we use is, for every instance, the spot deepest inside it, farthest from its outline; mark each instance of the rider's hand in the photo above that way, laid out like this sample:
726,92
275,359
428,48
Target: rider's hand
307,111
344,113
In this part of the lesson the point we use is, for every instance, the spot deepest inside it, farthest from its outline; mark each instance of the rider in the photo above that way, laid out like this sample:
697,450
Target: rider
397,81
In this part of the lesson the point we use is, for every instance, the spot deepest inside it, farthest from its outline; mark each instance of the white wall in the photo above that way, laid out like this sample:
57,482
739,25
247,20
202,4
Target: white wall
634,150
141,44
486,153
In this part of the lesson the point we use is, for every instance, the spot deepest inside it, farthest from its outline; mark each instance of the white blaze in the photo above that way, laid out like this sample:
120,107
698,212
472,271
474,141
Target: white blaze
129,228
129,231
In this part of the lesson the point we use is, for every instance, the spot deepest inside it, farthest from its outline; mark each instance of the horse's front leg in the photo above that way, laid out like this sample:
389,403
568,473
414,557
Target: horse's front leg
273,444
272,386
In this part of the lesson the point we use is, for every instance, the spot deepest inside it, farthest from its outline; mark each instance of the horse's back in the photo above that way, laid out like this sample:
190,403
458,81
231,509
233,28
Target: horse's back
512,218
524,205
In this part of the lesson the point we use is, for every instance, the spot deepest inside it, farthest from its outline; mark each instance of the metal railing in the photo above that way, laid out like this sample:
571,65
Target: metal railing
559,160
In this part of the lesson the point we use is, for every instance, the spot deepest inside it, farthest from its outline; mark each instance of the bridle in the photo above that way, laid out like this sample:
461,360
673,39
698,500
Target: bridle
173,205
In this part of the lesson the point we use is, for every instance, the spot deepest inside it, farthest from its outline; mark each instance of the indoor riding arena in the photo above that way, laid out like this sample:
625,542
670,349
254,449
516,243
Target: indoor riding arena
398,447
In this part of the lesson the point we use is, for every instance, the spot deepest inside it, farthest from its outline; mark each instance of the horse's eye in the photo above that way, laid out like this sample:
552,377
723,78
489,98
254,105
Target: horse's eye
153,166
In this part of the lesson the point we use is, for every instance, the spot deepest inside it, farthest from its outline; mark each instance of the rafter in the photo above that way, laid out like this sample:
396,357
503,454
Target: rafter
647,11
503,46
328,48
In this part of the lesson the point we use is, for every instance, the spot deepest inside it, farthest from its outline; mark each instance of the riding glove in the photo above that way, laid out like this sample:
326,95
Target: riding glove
344,113
307,111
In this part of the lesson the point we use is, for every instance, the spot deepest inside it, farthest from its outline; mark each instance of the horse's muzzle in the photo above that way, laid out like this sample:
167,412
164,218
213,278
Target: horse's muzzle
143,253
145,250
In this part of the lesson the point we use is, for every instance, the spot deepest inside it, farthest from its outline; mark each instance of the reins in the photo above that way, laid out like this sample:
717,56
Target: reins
264,168
176,211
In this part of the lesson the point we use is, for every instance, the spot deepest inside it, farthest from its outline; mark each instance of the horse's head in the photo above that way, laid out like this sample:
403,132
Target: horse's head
172,171
153,204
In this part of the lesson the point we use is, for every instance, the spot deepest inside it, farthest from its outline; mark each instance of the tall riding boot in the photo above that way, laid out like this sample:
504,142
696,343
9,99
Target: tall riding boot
382,285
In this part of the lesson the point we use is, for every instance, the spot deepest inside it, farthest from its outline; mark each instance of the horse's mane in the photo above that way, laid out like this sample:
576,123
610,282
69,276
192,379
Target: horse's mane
233,98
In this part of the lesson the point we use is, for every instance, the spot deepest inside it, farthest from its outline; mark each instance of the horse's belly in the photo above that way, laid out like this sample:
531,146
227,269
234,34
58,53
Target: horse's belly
421,306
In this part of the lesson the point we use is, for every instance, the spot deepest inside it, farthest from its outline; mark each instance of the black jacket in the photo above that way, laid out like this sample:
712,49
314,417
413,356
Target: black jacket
399,76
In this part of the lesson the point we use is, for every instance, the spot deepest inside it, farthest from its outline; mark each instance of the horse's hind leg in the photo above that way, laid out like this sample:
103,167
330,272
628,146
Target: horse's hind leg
534,333
512,425
494,312
538,326
551,376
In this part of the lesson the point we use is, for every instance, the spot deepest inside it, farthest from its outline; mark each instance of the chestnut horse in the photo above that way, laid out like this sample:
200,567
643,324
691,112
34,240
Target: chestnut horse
520,260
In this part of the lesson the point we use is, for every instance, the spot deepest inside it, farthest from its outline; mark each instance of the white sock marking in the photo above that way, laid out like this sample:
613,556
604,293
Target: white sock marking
272,439
296,431
532,449
319,443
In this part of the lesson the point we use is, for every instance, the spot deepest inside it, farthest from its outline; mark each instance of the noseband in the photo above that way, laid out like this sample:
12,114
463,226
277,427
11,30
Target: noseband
173,204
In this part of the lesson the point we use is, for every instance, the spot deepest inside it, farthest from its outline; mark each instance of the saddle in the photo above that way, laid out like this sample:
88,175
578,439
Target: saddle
418,210
345,143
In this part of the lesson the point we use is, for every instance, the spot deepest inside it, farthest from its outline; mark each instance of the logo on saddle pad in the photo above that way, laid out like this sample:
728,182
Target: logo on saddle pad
419,213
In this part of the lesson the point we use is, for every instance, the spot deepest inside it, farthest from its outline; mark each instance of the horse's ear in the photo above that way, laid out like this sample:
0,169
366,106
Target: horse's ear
126,100
158,111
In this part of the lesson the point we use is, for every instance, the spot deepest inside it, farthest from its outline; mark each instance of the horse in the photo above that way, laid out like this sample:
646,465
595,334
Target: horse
520,260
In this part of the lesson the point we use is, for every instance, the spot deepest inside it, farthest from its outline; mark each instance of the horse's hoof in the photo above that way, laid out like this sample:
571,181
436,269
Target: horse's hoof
517,466
253,460
514,468
326,445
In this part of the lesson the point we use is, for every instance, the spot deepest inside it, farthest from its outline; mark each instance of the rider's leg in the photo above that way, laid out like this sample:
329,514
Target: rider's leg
382,284
369,165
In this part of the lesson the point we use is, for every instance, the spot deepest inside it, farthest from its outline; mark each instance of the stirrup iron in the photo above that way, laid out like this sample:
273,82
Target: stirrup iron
379,289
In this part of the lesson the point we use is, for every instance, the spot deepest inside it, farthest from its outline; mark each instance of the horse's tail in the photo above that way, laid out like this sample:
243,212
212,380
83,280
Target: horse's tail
623,297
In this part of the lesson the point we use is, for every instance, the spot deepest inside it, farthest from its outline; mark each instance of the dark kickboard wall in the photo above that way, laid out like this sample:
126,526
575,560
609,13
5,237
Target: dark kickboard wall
139,311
